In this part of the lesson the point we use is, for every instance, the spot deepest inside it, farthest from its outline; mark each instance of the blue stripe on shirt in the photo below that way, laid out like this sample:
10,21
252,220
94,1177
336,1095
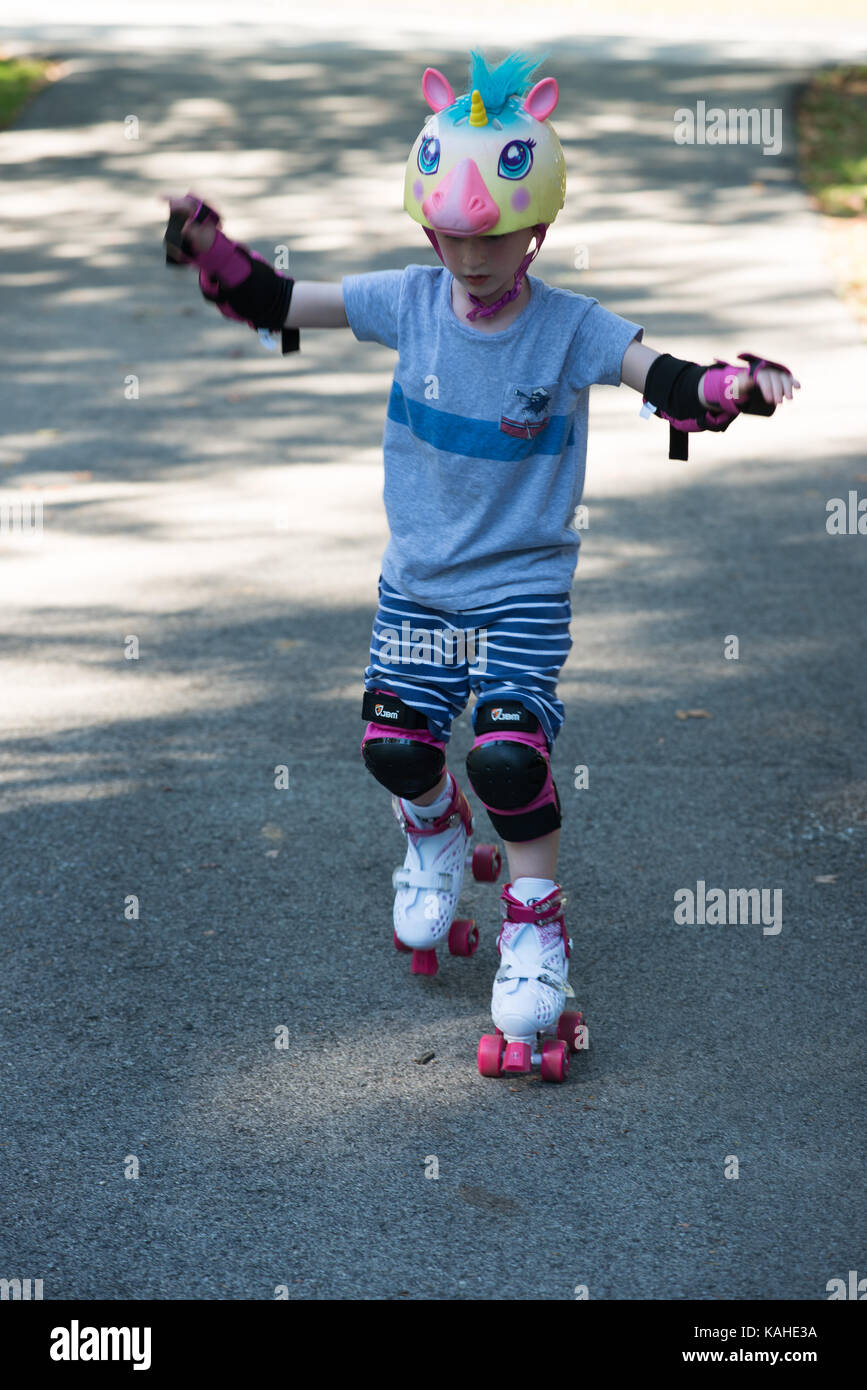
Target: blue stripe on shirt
480,439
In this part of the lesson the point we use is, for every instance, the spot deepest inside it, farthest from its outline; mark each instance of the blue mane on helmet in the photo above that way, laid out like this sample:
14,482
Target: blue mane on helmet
509,78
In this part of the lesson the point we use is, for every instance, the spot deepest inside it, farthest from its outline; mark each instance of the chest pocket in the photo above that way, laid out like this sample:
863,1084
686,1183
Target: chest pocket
526,409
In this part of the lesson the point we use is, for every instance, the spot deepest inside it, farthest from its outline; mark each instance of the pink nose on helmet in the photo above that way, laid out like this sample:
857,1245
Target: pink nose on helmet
461,205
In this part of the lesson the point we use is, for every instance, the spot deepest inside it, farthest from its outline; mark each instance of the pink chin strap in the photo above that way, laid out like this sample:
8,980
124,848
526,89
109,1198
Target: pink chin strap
483,310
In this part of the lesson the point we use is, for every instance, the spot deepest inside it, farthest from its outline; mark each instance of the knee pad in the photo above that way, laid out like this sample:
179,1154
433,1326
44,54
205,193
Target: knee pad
398,747
509,770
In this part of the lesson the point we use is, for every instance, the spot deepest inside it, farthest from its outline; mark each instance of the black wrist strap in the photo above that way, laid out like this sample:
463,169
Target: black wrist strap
290,338
672,386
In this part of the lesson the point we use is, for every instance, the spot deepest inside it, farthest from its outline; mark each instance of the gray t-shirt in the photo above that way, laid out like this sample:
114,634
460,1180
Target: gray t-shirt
486,434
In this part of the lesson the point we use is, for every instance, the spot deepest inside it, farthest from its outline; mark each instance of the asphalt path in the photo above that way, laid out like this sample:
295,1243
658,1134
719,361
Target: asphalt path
223,508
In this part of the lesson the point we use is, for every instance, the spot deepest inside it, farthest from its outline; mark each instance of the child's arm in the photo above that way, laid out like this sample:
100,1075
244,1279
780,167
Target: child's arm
774,383
636,364
241,284
694,398
317,304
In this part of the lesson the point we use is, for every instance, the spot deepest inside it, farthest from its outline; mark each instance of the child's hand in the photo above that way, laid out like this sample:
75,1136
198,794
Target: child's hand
200,235
728,390
773,381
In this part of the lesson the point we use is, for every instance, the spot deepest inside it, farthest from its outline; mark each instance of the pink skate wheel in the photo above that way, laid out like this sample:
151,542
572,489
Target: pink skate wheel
486,863
424,963
463,937
398,944
490,1056
555,1060
567,1029
517,1057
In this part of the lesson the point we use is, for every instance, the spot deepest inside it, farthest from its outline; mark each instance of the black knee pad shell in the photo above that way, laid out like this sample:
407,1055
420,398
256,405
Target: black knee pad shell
404,766
506,776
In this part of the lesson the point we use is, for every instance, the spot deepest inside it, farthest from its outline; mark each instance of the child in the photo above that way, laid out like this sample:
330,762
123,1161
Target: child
484,446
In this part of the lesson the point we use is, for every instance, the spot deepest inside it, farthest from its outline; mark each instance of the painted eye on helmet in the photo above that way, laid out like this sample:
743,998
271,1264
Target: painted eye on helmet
516,159
429,155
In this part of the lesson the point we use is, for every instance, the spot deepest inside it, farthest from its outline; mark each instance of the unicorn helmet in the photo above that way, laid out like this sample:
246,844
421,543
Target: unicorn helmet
488,162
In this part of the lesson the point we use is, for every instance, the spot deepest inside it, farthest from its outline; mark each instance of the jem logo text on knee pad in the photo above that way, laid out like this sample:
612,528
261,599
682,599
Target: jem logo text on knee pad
505,714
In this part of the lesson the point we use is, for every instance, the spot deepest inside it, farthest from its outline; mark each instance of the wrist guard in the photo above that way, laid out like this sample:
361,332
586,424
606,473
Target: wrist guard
671,389
239,281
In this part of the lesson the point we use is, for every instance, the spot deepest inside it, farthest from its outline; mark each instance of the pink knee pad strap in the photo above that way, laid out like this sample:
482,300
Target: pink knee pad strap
389,731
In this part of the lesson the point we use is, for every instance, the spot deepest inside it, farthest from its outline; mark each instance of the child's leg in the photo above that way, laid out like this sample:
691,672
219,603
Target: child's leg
534,858
516,720
405,634
410,702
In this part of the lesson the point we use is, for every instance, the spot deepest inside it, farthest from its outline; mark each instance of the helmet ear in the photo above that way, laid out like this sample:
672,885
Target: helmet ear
541,99
437,90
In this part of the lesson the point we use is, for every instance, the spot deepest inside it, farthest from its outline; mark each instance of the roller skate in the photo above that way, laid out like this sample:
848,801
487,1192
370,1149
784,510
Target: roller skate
428,884
530,990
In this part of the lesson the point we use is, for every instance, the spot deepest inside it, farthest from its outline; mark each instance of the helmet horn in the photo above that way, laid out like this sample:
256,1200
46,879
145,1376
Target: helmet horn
478,114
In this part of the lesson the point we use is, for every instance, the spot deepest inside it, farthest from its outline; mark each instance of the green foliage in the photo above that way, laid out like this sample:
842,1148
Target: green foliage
19,79
832,134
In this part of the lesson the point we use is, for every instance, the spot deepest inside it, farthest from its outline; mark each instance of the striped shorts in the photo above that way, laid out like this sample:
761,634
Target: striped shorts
432,659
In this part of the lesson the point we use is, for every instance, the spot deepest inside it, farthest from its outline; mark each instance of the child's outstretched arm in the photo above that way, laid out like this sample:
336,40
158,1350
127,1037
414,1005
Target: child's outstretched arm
691,397
242,285
317,304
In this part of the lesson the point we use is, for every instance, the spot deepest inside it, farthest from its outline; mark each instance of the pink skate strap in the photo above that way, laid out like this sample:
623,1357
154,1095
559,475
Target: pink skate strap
457,809
546,910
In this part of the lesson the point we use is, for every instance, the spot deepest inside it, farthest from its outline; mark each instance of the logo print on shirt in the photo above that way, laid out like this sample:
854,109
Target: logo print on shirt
524,421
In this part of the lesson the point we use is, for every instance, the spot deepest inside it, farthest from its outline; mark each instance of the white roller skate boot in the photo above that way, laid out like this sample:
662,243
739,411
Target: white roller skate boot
530,991
428,884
